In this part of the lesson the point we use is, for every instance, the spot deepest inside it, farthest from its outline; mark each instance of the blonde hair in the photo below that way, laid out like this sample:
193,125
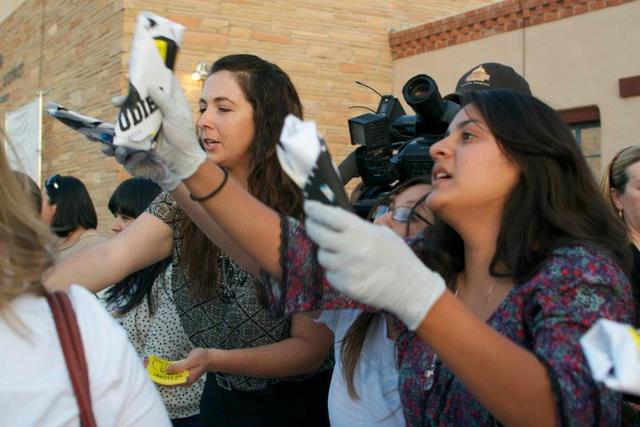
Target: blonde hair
25,241
616,177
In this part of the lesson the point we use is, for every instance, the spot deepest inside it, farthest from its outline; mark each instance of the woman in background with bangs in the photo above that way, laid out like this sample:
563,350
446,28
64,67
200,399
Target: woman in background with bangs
143,304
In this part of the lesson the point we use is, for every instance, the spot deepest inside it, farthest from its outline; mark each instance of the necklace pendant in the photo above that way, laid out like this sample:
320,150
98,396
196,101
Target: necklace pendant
430,373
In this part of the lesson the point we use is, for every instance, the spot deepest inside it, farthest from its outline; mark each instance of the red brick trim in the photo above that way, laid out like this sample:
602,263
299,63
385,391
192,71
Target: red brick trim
574,116
629,86
496,18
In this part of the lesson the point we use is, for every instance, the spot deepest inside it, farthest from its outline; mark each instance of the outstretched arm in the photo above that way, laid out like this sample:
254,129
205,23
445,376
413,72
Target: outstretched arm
146,241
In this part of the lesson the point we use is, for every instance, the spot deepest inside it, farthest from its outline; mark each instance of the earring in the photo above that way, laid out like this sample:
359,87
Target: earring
620,213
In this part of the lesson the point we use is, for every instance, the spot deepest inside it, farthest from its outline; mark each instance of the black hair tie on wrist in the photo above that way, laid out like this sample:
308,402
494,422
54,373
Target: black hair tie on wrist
214,192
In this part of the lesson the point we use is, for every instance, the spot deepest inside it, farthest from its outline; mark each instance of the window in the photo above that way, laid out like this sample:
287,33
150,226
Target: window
585,125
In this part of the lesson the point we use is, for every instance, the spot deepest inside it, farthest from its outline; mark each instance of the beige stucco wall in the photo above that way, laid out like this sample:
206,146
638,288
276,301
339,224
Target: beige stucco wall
569,63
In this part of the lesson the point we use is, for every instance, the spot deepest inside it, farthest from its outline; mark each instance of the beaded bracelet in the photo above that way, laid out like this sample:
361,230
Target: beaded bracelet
214,192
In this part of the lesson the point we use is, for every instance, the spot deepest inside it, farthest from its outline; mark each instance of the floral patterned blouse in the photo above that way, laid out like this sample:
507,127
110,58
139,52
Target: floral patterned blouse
546,315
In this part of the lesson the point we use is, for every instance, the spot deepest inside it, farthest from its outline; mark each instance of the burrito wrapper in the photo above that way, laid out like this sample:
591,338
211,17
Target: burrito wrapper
92,128
155,45
304,156
157,370
613,352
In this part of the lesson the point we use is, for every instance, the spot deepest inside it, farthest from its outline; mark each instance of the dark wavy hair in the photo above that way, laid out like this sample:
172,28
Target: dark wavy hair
130,199
272,95
74,207
556,202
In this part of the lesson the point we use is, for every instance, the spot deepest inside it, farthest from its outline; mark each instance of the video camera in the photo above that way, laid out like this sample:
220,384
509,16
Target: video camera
393,146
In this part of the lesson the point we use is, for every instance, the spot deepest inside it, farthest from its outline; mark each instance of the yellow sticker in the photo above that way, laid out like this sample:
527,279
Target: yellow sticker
157,370
162,48
636,337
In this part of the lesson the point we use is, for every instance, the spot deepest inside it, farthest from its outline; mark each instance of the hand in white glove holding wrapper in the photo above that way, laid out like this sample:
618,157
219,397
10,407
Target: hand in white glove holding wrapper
372,264
177,146
177,154
140,163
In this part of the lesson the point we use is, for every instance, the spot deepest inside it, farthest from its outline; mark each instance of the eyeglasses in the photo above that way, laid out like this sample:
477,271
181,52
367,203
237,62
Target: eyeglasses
400,214
52,184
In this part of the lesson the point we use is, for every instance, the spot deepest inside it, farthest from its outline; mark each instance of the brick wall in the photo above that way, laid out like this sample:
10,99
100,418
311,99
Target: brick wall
324,46
72,51
496,18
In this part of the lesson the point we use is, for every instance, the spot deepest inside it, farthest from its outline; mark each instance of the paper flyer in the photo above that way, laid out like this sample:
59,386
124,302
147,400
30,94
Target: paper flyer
157,370
154,49
92,128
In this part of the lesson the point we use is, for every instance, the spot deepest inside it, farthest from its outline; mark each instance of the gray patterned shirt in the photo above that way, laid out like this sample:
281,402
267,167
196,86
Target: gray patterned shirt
233,318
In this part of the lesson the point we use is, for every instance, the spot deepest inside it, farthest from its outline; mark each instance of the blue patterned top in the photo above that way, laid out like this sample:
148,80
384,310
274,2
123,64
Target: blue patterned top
546,315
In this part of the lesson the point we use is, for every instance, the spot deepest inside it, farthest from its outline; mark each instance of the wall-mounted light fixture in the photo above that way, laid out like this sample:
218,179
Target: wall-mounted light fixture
201,72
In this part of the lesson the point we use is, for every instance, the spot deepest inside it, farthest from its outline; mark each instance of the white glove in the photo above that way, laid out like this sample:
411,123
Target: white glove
178,146
372,264
143,164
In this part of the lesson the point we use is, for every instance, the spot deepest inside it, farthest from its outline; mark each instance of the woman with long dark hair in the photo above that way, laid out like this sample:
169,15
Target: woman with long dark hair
248,356
143,304
524,259
127,202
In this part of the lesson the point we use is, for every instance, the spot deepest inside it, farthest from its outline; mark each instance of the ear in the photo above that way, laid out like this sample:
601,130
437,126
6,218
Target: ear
616,198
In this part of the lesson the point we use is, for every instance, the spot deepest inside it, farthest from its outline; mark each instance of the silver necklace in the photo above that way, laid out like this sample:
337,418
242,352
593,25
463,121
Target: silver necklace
486,298
430,372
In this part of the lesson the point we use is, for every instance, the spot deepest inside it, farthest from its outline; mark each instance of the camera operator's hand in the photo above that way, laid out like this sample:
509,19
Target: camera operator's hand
178,146
143,164
372,264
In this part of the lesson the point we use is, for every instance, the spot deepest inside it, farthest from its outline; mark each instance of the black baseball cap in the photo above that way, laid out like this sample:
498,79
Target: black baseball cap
487,76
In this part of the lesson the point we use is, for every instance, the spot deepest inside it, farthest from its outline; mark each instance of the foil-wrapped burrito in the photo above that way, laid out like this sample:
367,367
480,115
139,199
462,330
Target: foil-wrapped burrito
155,45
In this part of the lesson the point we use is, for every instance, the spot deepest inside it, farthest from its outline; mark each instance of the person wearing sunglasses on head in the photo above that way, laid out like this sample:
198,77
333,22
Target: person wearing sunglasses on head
68,210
